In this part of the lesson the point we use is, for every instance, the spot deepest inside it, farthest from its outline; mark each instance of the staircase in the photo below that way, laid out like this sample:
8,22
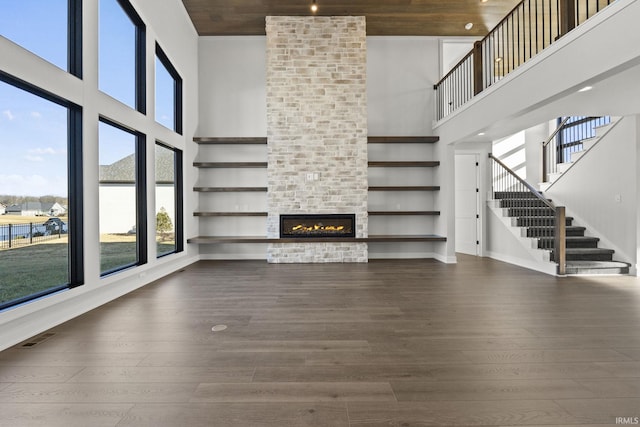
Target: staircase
537,222
579,138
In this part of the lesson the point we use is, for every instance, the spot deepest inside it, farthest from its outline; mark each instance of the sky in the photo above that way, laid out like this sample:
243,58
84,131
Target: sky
33,141
33,134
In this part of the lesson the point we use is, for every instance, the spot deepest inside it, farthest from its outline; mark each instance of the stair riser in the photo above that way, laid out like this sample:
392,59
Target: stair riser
586,257
569,244
597,271
514,195
509,203
530,212
533,222
535,232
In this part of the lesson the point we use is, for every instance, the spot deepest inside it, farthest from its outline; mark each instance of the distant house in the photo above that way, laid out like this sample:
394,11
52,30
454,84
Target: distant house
36,209
3,209
53,209
13,210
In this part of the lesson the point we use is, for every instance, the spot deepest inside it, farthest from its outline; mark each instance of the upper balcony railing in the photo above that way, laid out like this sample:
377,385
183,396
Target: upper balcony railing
530,27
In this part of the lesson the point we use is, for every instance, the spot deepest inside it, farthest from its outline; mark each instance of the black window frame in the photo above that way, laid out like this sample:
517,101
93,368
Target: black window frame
178,197
74,38
140,55
177,88
141,195
75,186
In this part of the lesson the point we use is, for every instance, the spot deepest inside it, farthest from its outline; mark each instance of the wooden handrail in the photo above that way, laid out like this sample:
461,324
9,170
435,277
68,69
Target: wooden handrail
480,72
523,182
555,132
453,69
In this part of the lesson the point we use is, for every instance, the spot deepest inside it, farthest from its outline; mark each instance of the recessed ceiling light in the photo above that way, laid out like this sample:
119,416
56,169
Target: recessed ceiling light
484,1
499,59
586,88
468,26
481,134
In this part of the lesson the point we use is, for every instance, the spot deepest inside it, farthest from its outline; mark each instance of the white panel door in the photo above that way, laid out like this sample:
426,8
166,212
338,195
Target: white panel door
466,199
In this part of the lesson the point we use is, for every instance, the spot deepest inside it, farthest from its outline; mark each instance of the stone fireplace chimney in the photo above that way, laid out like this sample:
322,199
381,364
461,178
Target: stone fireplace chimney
317,130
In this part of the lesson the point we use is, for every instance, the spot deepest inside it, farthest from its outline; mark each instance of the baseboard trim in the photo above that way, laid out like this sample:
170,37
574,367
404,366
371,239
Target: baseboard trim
550,269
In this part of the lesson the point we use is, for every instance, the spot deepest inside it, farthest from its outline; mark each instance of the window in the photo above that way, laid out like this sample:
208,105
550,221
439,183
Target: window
574,132
40,193
122,195
168,93
168,200
122,53
50,29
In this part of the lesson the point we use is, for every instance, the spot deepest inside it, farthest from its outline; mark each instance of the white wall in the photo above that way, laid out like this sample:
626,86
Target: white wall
401,72
233,102
233,97
452,51
512,152
534,137
522,152
170,25
600,189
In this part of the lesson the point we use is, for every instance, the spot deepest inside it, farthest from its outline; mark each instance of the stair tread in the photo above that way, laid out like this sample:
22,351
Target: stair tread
589,250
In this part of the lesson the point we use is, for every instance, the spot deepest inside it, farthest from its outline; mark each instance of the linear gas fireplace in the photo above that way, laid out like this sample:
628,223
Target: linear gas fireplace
313,226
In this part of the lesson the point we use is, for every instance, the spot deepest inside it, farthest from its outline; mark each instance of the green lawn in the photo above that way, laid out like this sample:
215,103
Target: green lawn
32,269
36,268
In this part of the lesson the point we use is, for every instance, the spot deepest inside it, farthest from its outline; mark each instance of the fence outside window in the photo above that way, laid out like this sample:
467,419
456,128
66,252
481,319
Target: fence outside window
17,235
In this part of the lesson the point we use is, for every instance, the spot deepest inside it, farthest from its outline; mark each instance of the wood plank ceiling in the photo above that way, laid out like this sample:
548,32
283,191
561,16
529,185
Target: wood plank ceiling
384,17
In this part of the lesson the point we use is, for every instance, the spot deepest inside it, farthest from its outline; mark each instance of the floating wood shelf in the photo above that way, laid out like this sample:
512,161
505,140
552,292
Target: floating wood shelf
230,164
229,140
399,238
371,239
402,139
228,239
229,189
230,214
403,213
400,164
405,188
382,238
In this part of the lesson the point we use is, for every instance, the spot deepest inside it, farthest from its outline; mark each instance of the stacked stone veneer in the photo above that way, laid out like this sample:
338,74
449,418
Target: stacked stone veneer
316,124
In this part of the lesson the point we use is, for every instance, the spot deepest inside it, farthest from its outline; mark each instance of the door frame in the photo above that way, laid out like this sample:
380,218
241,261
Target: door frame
482,151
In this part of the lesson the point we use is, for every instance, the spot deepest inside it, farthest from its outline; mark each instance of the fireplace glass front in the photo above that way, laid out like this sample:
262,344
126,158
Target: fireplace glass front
313,226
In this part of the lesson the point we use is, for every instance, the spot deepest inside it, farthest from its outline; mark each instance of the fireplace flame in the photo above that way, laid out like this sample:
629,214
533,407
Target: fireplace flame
318,227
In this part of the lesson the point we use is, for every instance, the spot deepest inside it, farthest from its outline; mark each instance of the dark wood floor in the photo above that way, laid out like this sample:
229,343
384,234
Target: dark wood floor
391,343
